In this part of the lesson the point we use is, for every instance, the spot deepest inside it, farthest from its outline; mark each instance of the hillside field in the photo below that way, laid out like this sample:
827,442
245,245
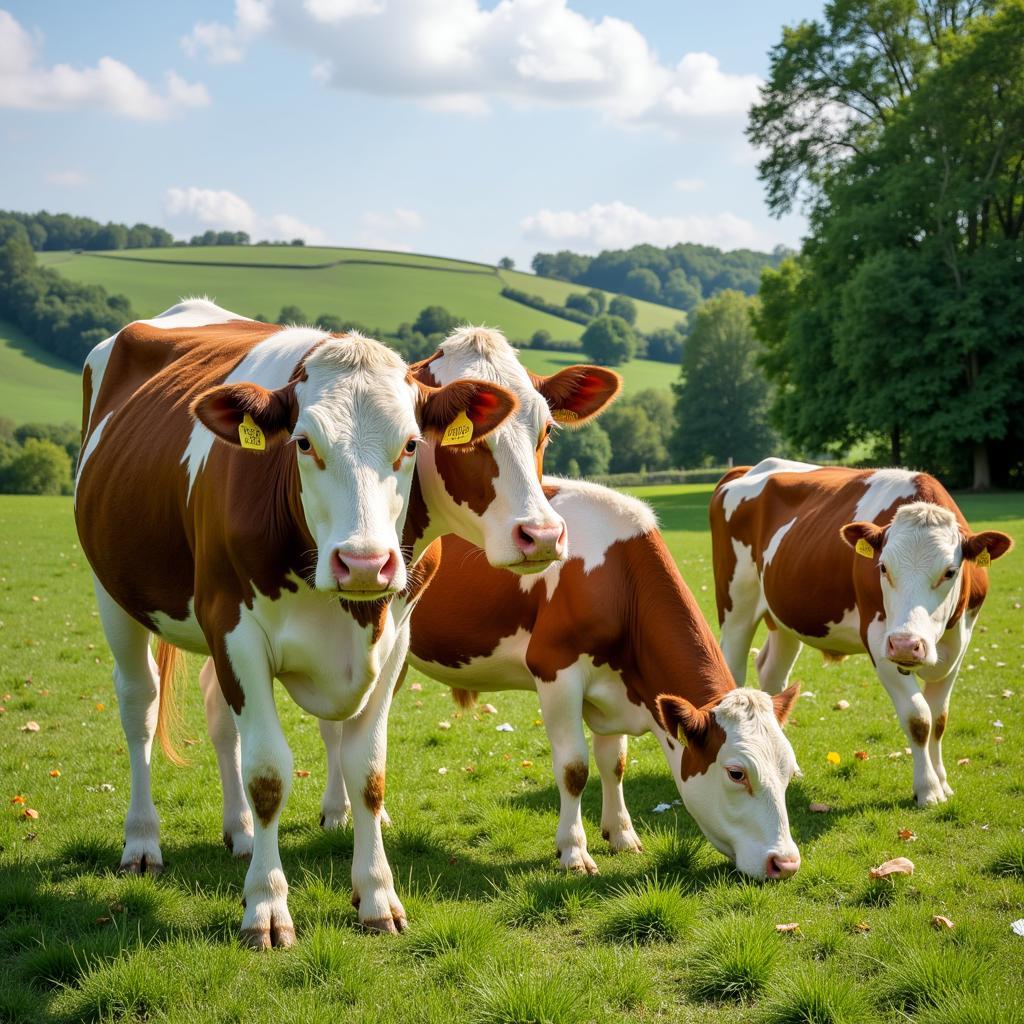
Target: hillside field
497,932
34,385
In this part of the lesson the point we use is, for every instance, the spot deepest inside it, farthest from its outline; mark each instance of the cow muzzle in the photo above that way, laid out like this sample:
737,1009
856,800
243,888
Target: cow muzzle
906,650
541,543
782,865
369,574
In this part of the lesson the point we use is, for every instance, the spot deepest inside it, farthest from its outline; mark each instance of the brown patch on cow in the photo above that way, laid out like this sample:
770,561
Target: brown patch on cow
422,572
620,766
369,613
86,400
417,517
575,777
468,474
265,791
701,754
919,729
423,372
373,793
940,725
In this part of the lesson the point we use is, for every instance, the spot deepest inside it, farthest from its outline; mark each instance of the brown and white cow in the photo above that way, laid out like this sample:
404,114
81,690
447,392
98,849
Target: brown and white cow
286,561
490,493
612,636
848,561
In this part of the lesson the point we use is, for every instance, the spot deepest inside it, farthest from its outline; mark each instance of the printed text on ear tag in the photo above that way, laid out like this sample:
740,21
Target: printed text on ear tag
250,436
862,547
460,430
984,559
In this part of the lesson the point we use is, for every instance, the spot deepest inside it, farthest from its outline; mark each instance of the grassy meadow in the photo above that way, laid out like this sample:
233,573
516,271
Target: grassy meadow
34,385
498,934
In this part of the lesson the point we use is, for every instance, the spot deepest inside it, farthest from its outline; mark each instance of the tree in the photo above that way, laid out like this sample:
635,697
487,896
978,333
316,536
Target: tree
609,340
292,315
41,468
624,307
643,284
506,263
435,320
600,299
582,452
681,291
722,395
540,339
583,302
665,345
636,442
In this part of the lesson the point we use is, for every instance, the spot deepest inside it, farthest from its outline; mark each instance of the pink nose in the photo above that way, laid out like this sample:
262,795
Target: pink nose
540,543
364,572
782,866
905,647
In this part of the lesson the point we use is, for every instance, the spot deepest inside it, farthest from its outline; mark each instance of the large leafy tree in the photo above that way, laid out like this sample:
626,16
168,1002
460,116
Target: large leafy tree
900,125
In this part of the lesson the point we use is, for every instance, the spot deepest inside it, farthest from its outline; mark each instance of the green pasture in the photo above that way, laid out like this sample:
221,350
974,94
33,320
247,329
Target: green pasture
497,932
34,385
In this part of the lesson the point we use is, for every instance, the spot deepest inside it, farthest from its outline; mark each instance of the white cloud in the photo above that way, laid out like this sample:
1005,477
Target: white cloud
460,56
617,225
201,208
66,179
689,184
110,85
226,44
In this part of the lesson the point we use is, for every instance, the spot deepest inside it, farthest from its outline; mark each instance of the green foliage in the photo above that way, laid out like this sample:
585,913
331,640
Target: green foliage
506,263
600,299
215,238
665,344
566,312
57,231
582,452
722,395
582,302
638,427
292,315
41,467
623,306
436,320
610,340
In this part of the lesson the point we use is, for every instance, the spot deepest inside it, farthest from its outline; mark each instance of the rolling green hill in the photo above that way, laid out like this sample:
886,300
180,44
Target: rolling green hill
380,289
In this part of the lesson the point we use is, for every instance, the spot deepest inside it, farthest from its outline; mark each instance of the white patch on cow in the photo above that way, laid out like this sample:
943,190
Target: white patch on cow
549,577
503,669
90,447
884,487
270,363
193,312
184,633
843,636
753,482
97,361
773,545
600,518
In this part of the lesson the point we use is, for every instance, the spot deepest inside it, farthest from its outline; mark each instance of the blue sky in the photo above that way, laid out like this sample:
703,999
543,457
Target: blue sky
468,128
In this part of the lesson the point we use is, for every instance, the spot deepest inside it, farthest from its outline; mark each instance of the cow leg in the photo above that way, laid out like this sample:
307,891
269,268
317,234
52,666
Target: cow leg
561,705
220,724
137,684
363,762
334,804
916,718
937,694
776,659
616,824
267,776
739,623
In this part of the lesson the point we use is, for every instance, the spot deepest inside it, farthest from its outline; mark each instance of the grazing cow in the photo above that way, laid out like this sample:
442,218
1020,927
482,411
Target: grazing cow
847,561
612,636
490,493
281,561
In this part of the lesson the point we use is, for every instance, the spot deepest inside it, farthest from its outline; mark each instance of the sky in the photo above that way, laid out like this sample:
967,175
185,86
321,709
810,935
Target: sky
466,128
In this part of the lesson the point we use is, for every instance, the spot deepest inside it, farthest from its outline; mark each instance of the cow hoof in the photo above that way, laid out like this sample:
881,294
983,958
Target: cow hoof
239,844
330,821
578,862
141,864
391,925
626,841
275,937
930,798
947,789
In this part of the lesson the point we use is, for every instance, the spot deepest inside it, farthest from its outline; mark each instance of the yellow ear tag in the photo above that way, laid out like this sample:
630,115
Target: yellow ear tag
984,559
862,547
680,735
250,436
460,430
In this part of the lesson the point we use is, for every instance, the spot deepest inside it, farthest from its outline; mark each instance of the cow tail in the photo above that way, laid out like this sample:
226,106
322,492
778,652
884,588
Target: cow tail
171,663
464,698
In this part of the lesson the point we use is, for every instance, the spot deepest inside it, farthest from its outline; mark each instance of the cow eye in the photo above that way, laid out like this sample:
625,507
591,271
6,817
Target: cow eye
736,774
882,569
410,446
949,574
548,427
303,444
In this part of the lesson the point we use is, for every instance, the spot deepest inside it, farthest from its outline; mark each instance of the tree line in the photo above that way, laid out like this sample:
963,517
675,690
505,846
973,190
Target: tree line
678,275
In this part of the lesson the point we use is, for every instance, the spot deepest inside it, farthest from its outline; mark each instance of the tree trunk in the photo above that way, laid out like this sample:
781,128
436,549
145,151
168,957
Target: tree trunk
982,470
894,441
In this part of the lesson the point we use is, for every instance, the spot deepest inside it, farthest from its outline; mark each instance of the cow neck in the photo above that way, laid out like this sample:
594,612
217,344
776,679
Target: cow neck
673,646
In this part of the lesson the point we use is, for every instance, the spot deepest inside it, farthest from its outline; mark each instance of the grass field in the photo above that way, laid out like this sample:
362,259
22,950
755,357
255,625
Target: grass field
35,386
380,289
498,935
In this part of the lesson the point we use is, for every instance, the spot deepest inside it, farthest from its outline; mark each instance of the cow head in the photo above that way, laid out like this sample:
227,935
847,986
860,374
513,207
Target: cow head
352,420
490,492
920,557
732,774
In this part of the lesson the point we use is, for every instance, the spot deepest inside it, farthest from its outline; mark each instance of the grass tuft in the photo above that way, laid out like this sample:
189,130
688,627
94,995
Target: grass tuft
733,959
331,959
646,911
930,975
521,997
537,898
815,995
980,1007
59,963
1009,860
133,987
452,928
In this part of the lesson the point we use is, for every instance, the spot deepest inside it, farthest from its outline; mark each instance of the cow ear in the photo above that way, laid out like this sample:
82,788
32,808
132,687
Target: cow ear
783,702
865,538
578,393
246,414
987,546
683,721
464,411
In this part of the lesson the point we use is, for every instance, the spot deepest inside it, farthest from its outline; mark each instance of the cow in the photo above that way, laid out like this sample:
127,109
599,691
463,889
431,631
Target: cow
851,561
613,637
490,493
245,491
